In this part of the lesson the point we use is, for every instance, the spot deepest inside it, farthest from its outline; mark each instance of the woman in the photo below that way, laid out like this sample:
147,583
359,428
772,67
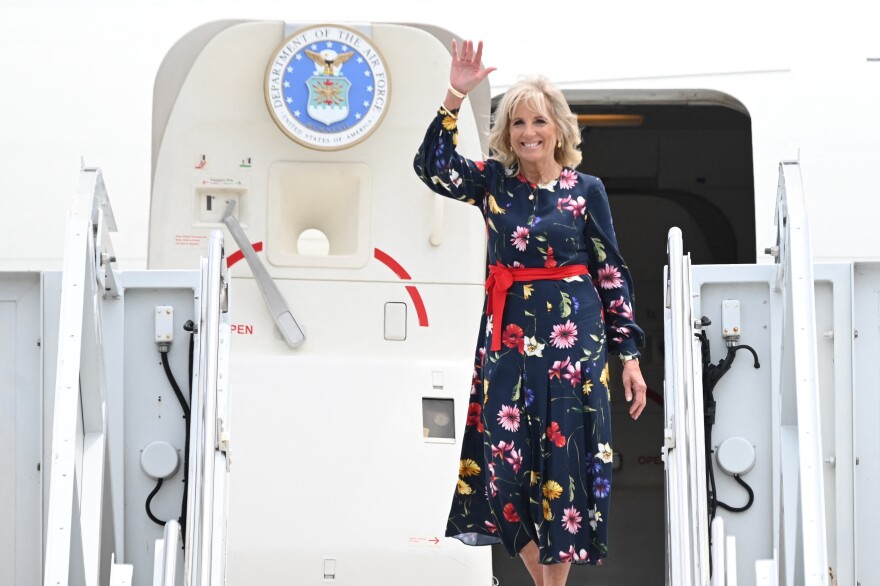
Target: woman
535,469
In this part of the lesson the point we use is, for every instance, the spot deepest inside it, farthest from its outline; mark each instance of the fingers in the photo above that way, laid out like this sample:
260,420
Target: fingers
479,56
467,52
638,405
635,391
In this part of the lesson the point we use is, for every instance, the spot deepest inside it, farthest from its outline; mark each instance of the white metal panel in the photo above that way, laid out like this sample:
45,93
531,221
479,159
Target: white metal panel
834,342
866,420
744,400
20,429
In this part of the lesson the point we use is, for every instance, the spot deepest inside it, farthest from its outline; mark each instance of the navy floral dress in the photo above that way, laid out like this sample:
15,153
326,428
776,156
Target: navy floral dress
537,449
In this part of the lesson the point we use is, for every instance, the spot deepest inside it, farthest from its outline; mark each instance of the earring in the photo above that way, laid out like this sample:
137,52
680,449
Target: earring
559,144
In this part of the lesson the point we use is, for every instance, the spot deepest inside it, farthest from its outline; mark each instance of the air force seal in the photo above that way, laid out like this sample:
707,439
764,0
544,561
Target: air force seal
327,87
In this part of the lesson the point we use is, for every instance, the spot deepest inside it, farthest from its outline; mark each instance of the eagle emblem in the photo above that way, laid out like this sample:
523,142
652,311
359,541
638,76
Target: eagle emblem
327,86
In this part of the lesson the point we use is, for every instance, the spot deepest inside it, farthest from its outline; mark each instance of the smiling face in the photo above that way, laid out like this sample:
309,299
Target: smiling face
533,135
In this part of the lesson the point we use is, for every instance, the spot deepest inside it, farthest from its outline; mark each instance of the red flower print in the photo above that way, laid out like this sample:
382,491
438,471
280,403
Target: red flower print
510,513
513,337
564,335
555,371
491,527
480,165
609,277
571,520
551,260
475,411
554,434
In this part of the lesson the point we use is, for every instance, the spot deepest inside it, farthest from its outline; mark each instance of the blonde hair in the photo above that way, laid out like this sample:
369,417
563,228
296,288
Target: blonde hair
541,96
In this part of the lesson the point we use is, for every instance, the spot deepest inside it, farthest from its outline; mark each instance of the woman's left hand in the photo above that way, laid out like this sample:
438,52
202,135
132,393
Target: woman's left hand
634,387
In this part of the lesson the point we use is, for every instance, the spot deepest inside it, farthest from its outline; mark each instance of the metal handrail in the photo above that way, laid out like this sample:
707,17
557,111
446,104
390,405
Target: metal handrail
200,513
687,525
167,573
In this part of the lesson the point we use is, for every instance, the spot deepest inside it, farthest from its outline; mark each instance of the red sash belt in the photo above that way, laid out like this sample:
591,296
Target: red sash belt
502,277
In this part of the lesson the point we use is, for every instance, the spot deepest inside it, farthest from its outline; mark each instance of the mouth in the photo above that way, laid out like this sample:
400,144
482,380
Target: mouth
530,145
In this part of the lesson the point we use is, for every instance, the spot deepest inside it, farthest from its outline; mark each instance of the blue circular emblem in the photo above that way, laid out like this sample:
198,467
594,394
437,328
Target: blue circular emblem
327,87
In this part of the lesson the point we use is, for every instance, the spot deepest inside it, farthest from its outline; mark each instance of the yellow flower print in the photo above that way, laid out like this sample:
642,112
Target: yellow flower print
603,378
455,137
534,478
548,514
468,468
527,290
464,487
549,307
552,490
495,208
588,386
449,123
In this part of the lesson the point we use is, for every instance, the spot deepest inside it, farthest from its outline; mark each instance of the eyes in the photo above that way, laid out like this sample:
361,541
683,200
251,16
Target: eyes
538,121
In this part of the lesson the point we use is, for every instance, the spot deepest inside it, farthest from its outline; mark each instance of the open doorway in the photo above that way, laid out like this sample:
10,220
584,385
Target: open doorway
667,158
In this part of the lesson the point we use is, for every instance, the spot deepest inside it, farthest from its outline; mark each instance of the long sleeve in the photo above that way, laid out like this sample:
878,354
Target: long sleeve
443,170
611,276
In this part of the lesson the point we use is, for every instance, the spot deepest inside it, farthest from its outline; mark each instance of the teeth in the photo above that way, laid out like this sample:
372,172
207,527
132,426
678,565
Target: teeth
530,144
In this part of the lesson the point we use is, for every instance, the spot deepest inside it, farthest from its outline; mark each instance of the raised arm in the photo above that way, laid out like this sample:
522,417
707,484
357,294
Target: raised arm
437,162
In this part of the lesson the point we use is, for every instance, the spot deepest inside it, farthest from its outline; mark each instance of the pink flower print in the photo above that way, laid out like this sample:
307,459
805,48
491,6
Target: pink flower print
515,458
491,527
573,556
620,307
493,488
609,277
563,202
520,238
499,450
564,335
508,417
573,373
568,179
571,520
556,370
577,206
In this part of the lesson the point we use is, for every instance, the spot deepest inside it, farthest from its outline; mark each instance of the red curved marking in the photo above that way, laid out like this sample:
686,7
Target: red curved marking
420,305
413,291
391,264
238,255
